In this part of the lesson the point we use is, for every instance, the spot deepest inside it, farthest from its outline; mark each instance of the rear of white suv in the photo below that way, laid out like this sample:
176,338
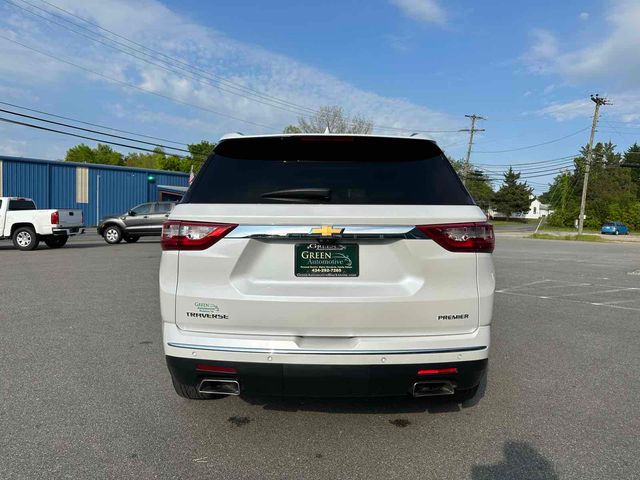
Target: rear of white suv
333,265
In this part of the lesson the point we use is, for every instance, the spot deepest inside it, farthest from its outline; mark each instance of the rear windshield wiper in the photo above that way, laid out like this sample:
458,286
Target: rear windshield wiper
301,195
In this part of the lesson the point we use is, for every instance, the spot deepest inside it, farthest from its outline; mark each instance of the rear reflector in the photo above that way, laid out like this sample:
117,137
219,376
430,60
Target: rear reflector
55,218
181,235
462,237
201,367
438,371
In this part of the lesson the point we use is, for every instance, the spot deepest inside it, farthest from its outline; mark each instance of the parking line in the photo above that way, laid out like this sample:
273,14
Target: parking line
571,300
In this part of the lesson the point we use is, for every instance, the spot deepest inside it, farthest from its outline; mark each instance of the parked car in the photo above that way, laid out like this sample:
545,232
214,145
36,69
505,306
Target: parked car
330,265
614,228
144,220
22,222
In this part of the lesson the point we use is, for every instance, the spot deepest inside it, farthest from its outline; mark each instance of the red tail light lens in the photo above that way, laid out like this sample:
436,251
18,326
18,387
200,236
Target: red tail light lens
182,235
55,218
438,371
462,237
201,367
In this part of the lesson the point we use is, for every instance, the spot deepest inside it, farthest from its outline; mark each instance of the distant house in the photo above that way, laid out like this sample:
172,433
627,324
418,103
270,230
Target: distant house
537,210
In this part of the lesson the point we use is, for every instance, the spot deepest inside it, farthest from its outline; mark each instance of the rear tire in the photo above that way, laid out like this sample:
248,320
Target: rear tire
56,241
112,234
131,238
25,238
190,391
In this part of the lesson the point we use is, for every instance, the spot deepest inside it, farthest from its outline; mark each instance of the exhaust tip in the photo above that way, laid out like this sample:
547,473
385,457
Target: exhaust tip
219,386
432,388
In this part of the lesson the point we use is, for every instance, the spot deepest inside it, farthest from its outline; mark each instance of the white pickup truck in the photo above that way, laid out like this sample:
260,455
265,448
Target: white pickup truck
23,223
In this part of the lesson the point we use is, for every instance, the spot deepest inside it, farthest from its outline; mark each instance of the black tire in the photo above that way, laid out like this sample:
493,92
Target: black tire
131,238
56,241
25,238
112,234
190,391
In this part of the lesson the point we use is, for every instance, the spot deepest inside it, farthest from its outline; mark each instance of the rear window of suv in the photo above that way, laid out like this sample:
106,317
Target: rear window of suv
331,169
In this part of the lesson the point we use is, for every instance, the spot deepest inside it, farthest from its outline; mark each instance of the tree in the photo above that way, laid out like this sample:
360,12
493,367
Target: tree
199,153
80,154
102,154
156,160
513,197
333,118
613,194
107,155
478,184
291,129
632,157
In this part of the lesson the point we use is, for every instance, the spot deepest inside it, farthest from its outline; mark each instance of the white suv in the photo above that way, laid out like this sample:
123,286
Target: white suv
337,265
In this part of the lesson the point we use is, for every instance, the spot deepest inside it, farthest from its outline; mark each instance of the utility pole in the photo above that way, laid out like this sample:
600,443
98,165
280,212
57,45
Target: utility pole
599,101
472,130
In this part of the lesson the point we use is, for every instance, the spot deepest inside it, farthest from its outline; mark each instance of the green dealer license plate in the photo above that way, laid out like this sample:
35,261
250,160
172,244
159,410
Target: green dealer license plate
326,260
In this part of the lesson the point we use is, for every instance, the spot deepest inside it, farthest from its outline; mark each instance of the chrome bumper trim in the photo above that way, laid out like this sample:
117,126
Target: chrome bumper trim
277,351
304,231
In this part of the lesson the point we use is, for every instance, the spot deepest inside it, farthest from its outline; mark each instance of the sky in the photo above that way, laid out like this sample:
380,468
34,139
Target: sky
254,67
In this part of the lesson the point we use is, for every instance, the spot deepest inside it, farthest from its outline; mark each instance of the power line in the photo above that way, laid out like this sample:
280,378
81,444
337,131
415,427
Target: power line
535,145
170,65
529,167
172,60
89,123
551,160
558,168
136,87
549,168
39,127
32,117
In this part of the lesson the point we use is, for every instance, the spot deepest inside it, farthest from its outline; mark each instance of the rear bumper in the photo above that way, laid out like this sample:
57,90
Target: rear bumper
326,351
68,231
327,380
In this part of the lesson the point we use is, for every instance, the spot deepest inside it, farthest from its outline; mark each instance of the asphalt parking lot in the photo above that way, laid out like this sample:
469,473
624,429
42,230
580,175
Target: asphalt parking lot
85,392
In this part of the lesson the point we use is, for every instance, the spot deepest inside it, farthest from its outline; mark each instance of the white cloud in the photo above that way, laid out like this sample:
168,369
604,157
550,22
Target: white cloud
11,147
613,58
584,16
215,54
427,11
625,108
610,62
542,51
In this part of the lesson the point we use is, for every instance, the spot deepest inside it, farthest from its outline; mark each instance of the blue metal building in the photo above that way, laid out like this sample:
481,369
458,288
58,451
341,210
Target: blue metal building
98,190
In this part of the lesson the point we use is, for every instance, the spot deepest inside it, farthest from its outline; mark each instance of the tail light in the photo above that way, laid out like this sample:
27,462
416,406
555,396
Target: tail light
55,218
462,237
201,367
438,371
182,235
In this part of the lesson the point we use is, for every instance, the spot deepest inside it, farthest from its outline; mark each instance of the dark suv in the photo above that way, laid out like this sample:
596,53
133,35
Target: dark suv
144,220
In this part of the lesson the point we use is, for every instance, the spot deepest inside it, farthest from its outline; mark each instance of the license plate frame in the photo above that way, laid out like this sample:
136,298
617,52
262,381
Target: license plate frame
326,260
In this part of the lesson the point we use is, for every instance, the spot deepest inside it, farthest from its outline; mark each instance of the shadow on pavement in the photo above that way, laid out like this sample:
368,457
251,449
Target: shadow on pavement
521,461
